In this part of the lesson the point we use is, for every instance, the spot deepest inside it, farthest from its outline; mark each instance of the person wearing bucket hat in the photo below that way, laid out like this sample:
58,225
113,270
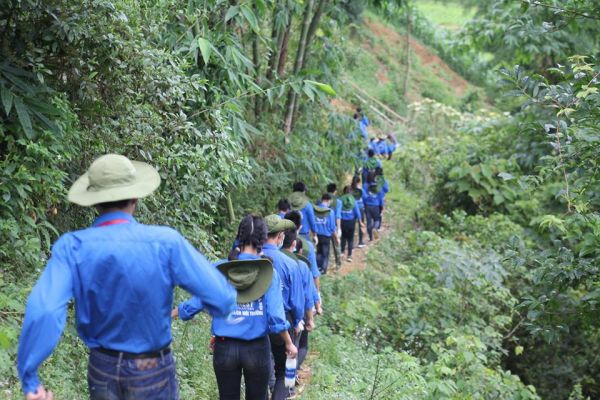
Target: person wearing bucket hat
242,345
326,227
374,204
296,218
290,245
122,275
292,291
299,202
350,214
356,190
336,206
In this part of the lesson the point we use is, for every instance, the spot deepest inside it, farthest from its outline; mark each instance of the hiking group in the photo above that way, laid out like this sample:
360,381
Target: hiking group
262,299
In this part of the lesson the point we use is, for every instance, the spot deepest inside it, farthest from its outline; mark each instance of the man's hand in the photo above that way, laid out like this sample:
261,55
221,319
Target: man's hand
316,240
299,328
291,350
319,308
40,394
310,325
175,313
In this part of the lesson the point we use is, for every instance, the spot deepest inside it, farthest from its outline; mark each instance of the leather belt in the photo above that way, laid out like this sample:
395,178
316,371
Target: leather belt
126,355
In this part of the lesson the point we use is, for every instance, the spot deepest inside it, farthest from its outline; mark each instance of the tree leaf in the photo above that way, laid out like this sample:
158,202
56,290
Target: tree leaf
205,49
323,87
250,17
24,118
231,13
7,99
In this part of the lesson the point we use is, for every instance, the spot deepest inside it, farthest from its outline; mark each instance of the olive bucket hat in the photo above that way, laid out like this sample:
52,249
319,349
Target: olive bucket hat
277,224
321,211
250,278
298,200
113,177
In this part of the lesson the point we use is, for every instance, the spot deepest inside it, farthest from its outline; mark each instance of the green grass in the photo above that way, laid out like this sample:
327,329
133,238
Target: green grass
449,15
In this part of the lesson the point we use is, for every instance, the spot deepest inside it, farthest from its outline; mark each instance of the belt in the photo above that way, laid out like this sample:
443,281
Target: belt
125,355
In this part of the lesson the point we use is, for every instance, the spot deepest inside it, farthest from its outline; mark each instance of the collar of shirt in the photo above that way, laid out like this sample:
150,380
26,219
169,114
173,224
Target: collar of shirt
248,256
115,215
269,246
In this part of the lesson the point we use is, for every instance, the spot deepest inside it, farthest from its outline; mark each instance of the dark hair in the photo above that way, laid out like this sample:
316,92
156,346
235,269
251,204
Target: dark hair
371,153
114,204
378,171
346,189
355,116
371,177
283,205
355,181
290,236
325,197
332,187
299,187
251,231
358,109
299,246
295,217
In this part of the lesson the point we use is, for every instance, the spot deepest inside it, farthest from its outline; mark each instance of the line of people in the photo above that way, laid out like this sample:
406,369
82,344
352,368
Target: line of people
263,298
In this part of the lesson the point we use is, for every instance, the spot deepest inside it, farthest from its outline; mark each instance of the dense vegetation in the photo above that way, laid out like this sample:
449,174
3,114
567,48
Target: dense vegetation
487,284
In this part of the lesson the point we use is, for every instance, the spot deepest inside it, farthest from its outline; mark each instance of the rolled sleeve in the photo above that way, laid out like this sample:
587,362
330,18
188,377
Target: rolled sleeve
188,309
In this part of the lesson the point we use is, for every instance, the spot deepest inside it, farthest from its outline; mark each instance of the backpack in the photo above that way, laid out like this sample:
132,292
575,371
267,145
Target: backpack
371,164
348,202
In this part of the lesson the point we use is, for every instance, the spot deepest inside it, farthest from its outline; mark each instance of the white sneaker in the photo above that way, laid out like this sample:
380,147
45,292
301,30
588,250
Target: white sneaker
361,245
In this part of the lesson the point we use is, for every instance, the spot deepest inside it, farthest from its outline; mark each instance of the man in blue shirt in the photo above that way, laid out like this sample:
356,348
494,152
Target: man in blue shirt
325,218
293,295
122,276
336,206
283,207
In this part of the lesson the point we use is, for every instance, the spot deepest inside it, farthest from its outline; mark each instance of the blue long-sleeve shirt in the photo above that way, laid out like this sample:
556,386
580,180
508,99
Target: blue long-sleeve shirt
354,213
308,284
382,147
325,225
308,219
250,320
291,282
122,277
372,199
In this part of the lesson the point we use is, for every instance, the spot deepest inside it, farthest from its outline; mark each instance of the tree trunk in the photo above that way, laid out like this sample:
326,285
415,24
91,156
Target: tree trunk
256,62
291,101
405,88
314,24
283,51
276,41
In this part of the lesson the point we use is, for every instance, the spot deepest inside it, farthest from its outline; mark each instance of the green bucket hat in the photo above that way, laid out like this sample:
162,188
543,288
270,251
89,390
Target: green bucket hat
357,193
321,211
250,278
277,224
113,177
302,258
298,200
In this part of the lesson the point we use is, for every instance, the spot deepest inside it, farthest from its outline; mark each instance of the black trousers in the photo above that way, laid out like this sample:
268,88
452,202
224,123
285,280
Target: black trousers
323,253
361,240
348,226
252,358
373,219
302,347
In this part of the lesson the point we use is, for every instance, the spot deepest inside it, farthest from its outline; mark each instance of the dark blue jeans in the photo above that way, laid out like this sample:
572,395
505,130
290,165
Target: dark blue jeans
323,253
115,378
233,358
373,219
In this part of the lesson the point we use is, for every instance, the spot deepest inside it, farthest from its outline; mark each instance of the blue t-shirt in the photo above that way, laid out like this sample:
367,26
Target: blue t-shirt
291,282
325,225
372,199
247,321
